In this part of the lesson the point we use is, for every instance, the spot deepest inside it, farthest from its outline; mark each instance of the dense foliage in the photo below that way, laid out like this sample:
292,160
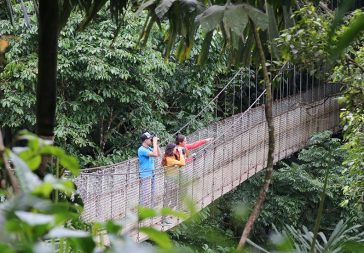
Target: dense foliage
106,93
311,51
352,75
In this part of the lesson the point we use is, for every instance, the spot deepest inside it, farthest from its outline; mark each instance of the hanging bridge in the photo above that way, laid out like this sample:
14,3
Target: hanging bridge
303,105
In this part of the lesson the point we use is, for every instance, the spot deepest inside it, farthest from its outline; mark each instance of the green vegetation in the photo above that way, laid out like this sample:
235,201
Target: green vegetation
132,89
118,74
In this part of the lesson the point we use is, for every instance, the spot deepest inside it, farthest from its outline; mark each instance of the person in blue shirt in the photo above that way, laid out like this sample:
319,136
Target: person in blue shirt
146,156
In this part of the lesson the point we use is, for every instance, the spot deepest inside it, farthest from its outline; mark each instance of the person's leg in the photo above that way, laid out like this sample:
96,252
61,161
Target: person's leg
172,191
142,190
152,191
169,197
145,192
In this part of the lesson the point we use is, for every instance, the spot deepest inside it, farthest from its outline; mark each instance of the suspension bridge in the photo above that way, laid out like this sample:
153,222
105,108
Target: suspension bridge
303,105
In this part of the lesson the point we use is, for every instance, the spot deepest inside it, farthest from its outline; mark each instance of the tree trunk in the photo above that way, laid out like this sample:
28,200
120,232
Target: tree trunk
9,172
47,71
269,118
319,213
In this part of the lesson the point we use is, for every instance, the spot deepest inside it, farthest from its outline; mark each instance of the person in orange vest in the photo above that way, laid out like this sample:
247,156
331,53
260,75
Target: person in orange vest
172,160
181,142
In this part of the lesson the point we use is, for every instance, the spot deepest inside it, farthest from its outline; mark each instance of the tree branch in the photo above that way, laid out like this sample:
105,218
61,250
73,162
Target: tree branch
355,63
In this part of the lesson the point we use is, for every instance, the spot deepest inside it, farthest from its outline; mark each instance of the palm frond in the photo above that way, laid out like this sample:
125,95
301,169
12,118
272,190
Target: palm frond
92,7
272,29
203,56
10,11
149,22
340,236
248,48
287,15
181,15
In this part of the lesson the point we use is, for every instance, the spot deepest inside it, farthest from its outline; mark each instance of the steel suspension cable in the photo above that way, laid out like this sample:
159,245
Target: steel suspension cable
207,105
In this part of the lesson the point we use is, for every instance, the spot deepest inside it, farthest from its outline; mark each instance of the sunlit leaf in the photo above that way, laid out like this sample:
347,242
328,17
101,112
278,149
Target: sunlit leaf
28,180
144,213
34,162
169,211
112,227
6,248
160,238
44,189
66,233
67,161
43,247
34,219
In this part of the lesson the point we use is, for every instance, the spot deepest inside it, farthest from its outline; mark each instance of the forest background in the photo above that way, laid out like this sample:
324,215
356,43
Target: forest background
101,88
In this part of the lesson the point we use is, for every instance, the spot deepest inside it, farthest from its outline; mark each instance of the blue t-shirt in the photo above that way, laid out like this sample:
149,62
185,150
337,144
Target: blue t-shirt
146,162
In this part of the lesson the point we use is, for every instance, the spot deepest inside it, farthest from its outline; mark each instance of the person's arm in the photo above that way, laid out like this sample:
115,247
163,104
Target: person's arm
159,151
197,144
156,151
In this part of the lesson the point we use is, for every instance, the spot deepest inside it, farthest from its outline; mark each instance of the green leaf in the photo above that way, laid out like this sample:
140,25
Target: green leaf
191,206
82,244
70,163
67,161
112,227
44,189
42,247
236,18
163,8
6,248
352,33
28,180
34,162
50,183
168,211
353,246
160,238
203,56
144,213
211,17
34,219
259,18
61,232
272,28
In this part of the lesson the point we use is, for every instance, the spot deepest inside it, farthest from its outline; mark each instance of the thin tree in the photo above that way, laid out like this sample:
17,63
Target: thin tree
268,107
